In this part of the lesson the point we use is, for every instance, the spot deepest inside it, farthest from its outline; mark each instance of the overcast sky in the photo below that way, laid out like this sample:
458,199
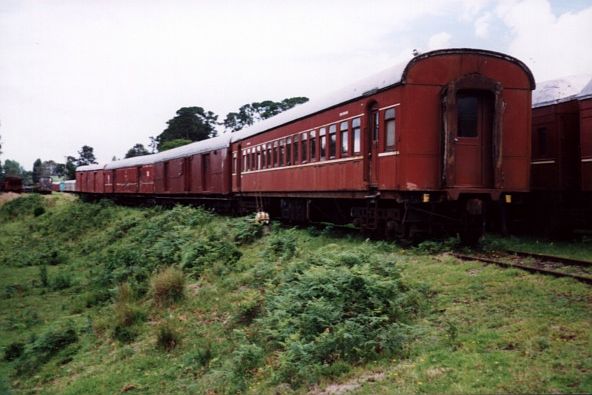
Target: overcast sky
110,73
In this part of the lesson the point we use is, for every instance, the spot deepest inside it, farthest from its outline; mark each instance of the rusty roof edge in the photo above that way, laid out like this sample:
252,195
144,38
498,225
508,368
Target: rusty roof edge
452,51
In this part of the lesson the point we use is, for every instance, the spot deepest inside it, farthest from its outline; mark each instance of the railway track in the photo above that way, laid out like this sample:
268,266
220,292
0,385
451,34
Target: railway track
535,263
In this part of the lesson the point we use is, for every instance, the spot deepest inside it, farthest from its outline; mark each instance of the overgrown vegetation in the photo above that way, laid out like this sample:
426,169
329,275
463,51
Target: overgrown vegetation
108,299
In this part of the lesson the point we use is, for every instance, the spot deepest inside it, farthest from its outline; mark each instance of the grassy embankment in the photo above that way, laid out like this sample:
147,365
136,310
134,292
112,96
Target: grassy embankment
96,298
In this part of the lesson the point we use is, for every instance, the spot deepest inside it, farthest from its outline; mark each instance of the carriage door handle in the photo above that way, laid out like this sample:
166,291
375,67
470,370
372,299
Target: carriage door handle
456,140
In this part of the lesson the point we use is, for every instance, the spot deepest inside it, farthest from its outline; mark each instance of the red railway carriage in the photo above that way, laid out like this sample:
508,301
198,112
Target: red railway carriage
201,167
449,127
562,146
424,145
585,103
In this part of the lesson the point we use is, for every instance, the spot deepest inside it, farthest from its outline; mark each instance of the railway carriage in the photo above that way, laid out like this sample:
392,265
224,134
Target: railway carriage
562,155
427,144
430,144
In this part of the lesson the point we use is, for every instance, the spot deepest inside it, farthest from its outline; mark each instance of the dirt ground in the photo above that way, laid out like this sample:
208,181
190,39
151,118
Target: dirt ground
8,196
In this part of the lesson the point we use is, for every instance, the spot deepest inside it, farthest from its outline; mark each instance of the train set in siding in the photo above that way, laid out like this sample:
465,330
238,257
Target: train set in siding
428,146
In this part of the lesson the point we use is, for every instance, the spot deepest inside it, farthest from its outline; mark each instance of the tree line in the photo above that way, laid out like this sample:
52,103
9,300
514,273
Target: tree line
189,124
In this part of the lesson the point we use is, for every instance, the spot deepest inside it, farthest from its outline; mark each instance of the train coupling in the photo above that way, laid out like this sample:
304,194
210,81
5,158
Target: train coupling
474,206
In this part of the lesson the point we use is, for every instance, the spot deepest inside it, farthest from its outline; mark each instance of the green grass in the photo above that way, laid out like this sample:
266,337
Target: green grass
274,313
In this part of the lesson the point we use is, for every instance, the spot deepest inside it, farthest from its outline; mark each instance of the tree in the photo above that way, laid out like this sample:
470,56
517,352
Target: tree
37,169
14,169
190,123
250,113
70,167
60,169
86,156
137,150
167,145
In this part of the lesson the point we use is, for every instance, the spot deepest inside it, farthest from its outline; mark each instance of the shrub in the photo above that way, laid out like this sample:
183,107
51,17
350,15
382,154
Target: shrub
61,281
245,359
13,351
21,207
43,278
127,315
168,286
167,337
281,245
327,310
215,249
247,231
44,347
38,211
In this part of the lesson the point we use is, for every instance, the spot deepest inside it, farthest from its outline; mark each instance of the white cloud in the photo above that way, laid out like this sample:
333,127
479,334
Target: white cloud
482,25
439,40
552,46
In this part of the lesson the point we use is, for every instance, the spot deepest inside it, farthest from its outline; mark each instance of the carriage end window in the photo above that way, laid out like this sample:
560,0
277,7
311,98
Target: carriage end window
389,119
356,135
467,108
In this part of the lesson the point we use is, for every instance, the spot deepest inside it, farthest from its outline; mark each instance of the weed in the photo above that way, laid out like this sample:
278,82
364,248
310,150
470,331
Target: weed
168,286
43,277
167,337
247,231
45,346
245,359
38,211
13,351
61,281
281,245
328,313
200,358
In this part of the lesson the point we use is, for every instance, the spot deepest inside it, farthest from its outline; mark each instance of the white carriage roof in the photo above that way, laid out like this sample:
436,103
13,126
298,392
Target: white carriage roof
186,150
561,90
391,76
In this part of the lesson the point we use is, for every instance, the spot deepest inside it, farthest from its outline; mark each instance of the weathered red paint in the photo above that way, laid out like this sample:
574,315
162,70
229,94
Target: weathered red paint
416,163
556,151
586,143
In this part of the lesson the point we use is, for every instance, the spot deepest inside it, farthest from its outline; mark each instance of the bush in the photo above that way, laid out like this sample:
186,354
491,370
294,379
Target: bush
38,211
281,245
43,277
168,286
13,351
21,207
127,315
245,359
61,281
167,337
44,347
348,309
247,231
215,249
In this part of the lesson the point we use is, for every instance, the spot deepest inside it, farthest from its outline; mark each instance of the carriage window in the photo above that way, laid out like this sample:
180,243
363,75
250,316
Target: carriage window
282,152
323,143
356,134
344,138
245,160
295,145
233,166
288,151
376,125
542,136
258,157
276,154
304,147
467,107
313,146
389,118
332,141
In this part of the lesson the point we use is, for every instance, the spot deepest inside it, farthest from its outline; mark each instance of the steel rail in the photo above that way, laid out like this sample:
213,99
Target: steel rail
533,269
